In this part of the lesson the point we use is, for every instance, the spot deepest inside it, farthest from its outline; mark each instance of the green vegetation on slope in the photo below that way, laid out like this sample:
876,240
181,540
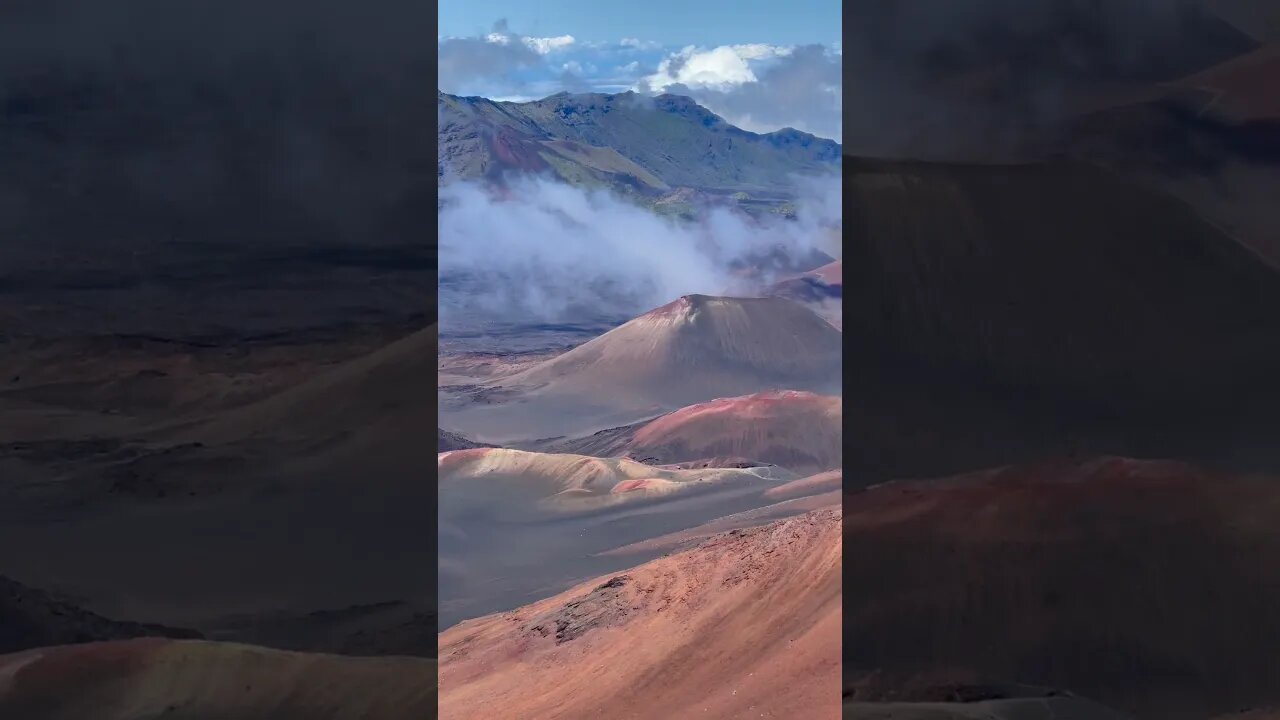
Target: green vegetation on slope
629,142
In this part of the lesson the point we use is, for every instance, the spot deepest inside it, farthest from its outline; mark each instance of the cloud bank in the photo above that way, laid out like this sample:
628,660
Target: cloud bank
545,251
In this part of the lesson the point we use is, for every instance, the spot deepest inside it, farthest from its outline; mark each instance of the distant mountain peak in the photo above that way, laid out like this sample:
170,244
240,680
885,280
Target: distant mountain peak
619,141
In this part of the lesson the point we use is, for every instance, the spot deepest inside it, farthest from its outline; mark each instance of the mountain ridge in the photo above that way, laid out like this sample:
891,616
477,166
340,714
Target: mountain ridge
647,147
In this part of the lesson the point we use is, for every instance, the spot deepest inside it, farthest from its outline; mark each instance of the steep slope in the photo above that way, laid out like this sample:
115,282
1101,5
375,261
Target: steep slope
628,141
1059,292
744,625
682,347
196,680
1146,585
693,349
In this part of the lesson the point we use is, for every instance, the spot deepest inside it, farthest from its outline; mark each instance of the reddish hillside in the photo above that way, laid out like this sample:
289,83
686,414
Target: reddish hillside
744,625
796,430
1149,586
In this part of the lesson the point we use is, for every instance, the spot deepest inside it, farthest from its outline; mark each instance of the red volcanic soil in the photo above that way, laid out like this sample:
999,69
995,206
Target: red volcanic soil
1152,587
516,153
832,273
637,484
197,680
450,460
796,430
744,625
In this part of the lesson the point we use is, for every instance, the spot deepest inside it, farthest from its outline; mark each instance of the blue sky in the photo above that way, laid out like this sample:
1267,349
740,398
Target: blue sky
671,22
761,65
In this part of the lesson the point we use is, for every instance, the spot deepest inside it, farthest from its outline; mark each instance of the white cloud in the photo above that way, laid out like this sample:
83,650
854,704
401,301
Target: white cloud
547,45
721,67
554,251
630,68
759,87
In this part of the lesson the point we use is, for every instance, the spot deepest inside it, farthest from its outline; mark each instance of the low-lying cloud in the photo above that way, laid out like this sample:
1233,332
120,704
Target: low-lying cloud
541,250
